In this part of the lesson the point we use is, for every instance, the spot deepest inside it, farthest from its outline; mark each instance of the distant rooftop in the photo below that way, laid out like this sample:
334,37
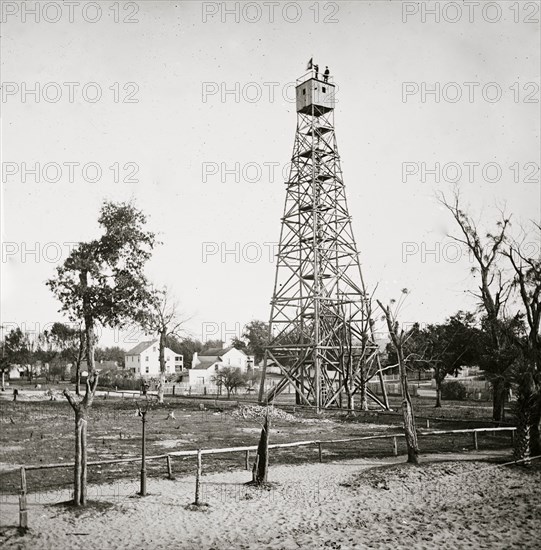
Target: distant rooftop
141,347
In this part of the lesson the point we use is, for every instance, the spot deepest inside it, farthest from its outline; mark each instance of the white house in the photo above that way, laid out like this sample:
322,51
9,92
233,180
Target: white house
144,360
204,367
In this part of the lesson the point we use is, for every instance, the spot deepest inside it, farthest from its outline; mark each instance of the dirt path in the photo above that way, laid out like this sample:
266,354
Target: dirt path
348,504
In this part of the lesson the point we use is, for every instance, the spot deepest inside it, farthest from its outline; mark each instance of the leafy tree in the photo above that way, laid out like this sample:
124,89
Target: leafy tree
231,378
453,390
15,350
56,371
113,353
4,365
186,347
211,344
102,282
47,353
257,335
19,350
446,347
237,343
499,362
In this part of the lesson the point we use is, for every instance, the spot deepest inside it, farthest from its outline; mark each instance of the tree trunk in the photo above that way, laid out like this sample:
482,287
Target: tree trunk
3,381
80,469
407,410
438,393
525,409
78,459
364,398
383,388
499,392
523,438
298,400
261,464
81,409
161,384
411,434
536,427
78,365
78,379
350,401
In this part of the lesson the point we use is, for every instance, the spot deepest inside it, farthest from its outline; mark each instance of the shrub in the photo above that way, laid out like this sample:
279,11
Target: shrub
453,390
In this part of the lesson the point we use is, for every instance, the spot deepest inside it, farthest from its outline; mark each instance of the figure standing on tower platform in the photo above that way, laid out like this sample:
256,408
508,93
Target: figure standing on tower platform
326,74
316,69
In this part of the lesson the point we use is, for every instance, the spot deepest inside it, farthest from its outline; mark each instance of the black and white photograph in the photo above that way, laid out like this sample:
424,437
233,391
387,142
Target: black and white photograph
270,274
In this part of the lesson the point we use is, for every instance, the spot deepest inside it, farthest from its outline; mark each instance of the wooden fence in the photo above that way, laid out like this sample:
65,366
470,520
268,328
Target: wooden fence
23,510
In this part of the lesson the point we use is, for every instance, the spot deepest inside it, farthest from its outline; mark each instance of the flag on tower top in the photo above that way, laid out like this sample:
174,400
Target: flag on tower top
310,64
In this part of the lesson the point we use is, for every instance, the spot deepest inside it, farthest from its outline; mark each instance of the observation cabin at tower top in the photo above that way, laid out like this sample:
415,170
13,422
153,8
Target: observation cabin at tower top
315,96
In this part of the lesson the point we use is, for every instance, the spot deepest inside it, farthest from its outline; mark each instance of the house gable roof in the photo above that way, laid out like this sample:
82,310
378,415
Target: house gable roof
141,347
218,352
206,362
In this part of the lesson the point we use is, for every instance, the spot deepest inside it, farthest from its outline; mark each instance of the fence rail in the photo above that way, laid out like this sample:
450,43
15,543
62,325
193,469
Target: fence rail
23,510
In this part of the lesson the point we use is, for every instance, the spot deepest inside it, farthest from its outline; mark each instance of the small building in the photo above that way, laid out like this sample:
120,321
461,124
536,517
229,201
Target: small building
144,360
205,366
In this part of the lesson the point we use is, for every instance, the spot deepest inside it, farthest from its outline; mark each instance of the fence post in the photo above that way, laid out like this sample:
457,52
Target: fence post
395,446
319,452
247,461
475,442
169,468
23,513
198,479
428,423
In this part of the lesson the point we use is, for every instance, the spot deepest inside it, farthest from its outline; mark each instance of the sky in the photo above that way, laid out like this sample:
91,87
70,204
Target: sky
187,109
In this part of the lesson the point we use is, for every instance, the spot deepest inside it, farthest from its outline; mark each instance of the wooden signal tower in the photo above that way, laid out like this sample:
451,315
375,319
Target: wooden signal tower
321,331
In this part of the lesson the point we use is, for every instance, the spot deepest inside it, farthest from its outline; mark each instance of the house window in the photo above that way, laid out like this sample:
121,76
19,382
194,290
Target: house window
154,348
147,369
146,358
324,89
168,358
304,91
178,358
216,368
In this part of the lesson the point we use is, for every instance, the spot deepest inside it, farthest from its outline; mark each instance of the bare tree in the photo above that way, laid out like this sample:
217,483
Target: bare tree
399,339
261,464
165,321
527,281
358,355
494,290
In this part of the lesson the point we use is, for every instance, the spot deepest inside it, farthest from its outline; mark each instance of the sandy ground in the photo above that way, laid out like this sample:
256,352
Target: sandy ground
364,503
